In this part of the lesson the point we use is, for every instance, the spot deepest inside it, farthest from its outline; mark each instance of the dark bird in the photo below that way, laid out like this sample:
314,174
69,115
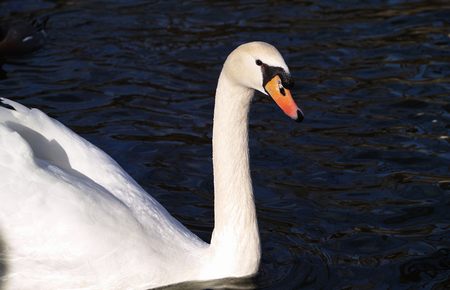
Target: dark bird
21,37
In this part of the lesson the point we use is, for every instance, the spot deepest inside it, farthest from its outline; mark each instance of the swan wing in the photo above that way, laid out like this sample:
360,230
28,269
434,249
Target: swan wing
67,205
51,230
49,141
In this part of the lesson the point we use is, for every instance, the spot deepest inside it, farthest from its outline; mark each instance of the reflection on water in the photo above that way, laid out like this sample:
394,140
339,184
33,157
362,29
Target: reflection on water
355,197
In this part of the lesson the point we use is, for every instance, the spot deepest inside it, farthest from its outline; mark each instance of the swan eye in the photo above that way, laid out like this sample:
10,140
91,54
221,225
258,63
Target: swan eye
281,88
259,62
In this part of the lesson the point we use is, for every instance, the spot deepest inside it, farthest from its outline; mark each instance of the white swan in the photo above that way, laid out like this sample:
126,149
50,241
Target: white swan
71,218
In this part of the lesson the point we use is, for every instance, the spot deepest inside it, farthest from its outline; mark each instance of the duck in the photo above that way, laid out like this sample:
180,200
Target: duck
72,218
22,37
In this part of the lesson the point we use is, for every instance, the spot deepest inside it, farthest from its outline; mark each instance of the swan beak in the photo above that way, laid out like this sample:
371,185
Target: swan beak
283,98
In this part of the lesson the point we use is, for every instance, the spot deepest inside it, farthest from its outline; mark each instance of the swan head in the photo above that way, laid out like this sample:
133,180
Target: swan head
259,66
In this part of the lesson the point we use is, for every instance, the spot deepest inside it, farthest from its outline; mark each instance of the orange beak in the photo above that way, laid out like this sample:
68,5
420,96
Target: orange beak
283,98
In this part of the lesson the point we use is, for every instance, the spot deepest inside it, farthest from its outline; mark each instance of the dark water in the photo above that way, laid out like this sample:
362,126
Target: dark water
355,197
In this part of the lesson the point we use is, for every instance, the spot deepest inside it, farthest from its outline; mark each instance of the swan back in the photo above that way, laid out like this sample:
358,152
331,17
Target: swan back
70,215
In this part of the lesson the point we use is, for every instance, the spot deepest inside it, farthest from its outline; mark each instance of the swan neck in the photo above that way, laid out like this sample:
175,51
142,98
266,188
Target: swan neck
235,237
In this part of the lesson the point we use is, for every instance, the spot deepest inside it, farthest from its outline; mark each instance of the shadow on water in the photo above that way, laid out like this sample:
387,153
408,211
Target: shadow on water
427,268
2,73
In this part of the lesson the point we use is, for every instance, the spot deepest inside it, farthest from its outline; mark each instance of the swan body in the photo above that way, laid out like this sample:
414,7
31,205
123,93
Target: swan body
72,218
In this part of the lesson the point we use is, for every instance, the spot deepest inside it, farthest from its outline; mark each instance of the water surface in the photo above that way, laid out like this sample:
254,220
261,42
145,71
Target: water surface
355,197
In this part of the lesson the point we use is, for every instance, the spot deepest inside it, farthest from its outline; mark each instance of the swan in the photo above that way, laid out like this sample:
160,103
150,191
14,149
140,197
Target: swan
72,218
